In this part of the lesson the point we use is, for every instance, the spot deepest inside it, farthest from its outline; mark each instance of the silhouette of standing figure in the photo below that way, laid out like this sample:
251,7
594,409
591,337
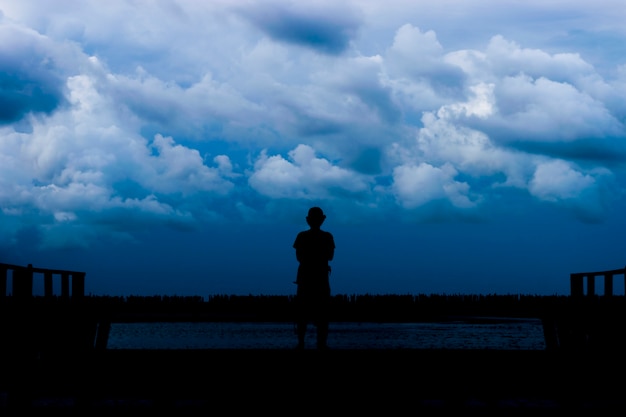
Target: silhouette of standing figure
314,249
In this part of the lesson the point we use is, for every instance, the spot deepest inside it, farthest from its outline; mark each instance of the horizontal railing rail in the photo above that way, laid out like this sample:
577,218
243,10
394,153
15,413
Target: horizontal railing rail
577,282
72,282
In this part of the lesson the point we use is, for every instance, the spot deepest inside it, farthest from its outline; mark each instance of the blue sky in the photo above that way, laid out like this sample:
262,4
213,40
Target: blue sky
174,147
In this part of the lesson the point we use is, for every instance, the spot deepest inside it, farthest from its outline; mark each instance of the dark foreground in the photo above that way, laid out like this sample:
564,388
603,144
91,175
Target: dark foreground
286,382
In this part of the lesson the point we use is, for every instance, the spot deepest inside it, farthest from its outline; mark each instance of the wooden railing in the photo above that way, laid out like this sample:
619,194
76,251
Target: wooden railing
31,325
587,321
577,282
72,282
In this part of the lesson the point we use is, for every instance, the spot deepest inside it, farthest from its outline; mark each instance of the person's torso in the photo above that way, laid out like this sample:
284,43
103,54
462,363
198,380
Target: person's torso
315,248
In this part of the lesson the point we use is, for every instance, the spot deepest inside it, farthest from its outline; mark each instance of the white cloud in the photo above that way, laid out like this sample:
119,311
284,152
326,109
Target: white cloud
64,216
176,168
414,54
416,185
557,180
541,97
186,110
304,176
73,196
480,104
159,107
419,56
69,163
275,176
507,58
588,194
546,110
469,151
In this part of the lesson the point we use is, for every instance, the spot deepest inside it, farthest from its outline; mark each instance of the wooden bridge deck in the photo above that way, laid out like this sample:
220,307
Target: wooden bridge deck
53,366
190,382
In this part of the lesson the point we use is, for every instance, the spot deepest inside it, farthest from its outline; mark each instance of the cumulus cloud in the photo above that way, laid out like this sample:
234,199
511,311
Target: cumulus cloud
303,175
545,110
470,151
587,194
419,56
508,58
361,80
175,168
556,180
205,106
540,101
415,186
487,164
182,109
74,167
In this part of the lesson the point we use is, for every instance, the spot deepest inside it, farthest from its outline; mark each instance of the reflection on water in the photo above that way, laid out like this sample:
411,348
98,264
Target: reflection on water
524,334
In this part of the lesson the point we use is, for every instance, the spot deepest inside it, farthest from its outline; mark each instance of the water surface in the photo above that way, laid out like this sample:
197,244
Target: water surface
525,334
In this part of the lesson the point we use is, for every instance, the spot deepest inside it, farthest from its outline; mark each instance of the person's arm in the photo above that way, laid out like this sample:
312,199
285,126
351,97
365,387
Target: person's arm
296,246
331,248
299,255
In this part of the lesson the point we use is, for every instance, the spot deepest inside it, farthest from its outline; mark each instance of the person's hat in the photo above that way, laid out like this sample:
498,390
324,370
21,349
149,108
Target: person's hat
316,213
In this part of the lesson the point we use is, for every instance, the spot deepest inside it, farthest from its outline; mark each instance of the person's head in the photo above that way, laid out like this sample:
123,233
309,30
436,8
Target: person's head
316,217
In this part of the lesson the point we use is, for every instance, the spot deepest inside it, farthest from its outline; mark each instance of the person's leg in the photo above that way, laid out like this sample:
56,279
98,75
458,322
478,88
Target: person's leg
300,318
322,319
322,334
301,333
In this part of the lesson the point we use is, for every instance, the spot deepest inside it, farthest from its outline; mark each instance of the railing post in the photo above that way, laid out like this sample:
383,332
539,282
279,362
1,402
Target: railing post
78,284
47,284
3,281
608,285
65,284
576,285
23,282
16,282
102,335
591,285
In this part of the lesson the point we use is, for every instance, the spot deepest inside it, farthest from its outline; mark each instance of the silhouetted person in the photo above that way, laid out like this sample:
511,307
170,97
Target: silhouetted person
314,249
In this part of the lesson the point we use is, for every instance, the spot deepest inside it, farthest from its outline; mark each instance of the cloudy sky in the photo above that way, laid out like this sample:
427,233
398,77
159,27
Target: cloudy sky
174,147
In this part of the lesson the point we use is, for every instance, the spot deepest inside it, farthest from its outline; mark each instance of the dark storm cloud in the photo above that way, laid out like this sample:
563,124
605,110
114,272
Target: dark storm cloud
607,151
19,96
29,79
368,161
379,98
328,31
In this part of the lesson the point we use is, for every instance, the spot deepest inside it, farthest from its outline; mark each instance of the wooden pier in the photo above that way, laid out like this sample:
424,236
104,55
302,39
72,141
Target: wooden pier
430,382
55,358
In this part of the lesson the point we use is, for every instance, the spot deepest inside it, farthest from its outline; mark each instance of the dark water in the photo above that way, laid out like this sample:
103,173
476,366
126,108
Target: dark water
512,334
